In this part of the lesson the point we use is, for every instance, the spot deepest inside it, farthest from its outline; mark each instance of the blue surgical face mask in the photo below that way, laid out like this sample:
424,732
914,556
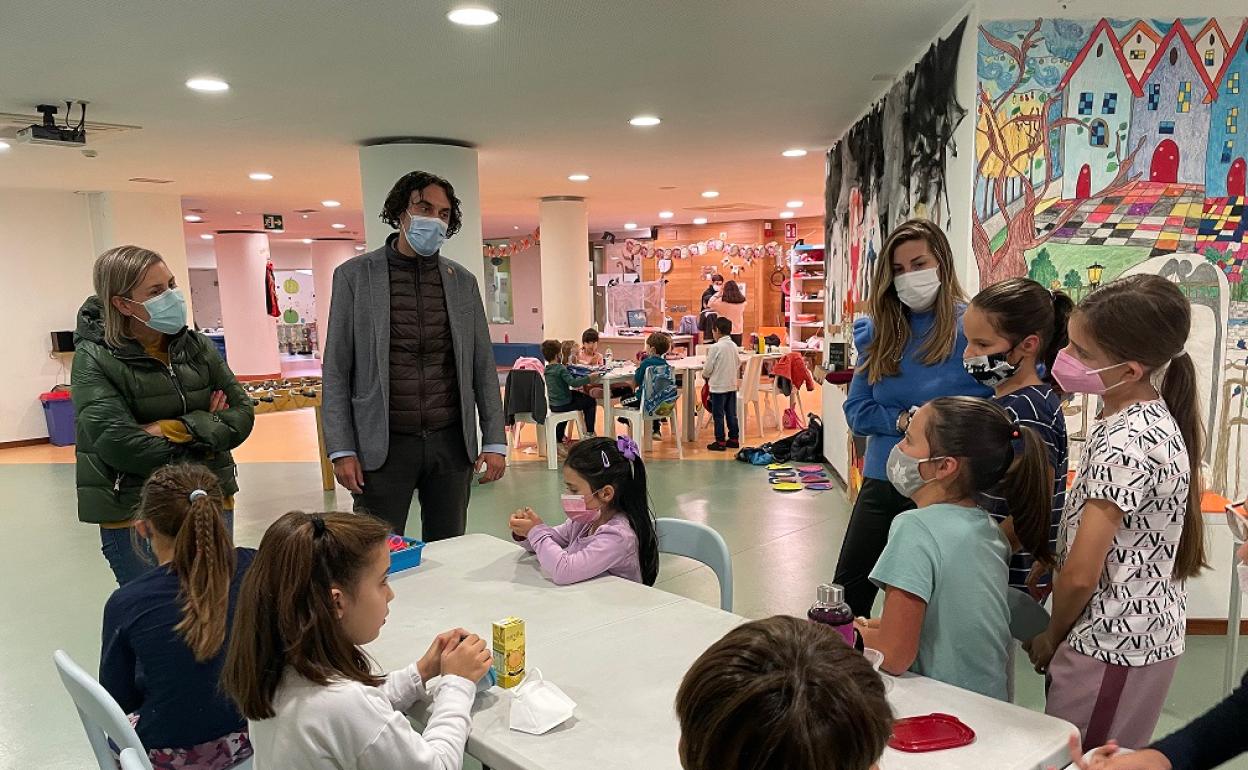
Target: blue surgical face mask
167,312
426,235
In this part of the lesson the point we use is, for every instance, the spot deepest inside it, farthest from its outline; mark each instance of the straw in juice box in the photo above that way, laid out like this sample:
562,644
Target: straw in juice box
509,651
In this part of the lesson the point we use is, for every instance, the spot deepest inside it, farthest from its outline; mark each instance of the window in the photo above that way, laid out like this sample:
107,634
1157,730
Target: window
1154,96
1232,121
1174,56
1185,97
1109,105
1228,149
1085,103
1098,136
1165,127
498,290
1232,83
1138,54
1210,59
1100,50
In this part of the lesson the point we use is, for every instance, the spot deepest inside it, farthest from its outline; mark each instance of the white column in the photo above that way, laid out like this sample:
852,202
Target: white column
381,165
327,255
250,332
567,296
150,220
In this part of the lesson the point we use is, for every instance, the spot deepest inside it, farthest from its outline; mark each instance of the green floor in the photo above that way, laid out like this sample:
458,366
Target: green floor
55,581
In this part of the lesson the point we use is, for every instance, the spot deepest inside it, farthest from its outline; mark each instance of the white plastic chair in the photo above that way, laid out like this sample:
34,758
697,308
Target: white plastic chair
640,423
131,759
101,717
551,438
749,394
701,543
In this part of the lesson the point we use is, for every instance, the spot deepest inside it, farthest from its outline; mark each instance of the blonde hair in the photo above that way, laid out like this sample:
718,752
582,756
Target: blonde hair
116,273
892,328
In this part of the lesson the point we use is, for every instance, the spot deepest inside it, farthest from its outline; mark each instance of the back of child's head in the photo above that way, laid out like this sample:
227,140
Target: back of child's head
659,342
286,615
723,325
602,461
782,694
1020,307
589,336
551,350
1147,319
567,349
184,503
997,456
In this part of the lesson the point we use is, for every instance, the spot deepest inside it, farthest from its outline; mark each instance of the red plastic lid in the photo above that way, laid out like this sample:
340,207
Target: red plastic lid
933,732
54,395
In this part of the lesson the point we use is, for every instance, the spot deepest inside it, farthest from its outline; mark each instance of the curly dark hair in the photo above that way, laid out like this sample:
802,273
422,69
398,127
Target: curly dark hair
400,198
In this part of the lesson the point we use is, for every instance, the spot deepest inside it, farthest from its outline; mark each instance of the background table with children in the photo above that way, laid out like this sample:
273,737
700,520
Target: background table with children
619,649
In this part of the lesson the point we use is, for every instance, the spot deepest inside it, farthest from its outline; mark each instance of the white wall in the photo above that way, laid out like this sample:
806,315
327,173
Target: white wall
207,297
46,254
526,297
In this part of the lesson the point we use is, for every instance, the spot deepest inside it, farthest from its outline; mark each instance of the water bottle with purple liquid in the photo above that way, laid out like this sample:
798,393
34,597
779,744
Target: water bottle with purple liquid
830,609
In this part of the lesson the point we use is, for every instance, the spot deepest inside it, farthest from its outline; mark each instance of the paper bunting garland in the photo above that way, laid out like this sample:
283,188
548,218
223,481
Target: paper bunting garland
513,246
750,253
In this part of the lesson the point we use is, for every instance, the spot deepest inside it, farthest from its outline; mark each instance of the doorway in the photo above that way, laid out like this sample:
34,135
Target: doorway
1165,165
1083,188
1235,179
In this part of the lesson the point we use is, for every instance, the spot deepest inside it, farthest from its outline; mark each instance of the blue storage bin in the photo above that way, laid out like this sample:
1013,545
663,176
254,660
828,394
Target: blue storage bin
58,410
408,557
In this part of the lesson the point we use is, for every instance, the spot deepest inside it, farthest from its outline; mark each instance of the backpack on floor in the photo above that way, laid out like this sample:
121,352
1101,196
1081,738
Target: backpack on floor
791,419
808,443
755,456
660,390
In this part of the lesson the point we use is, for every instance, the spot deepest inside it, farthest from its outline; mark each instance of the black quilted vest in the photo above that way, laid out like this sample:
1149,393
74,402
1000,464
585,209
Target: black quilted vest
424,391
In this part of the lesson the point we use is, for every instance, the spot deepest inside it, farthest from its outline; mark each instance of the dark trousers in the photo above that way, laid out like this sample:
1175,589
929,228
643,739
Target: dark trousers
434,466
586,404
877,505
724,409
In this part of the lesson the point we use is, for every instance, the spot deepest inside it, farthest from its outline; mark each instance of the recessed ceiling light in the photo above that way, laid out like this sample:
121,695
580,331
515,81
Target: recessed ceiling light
330,204
515,227
337,226
630,225
307,240
260,176
207,236
796,152
793,205
207,85
645,120
473,17
666,215
699,220
4,146
305,216
710,194
787,215
359,248
193,218
578,178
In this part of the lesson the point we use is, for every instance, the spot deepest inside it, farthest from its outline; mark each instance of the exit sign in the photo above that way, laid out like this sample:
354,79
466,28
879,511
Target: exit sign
273,222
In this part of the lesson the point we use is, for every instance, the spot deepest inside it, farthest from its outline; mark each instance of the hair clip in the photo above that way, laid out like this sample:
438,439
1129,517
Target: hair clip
606,461
196,494
627,447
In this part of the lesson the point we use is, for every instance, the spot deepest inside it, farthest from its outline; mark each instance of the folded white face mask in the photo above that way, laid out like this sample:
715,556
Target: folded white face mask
539,706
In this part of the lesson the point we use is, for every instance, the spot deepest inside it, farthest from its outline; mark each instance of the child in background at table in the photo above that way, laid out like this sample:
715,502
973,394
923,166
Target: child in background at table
561,393
568,351
1011,328
720,372
316,592
1131,531
610,529
589,355
165,632
657,345
944,571
782,694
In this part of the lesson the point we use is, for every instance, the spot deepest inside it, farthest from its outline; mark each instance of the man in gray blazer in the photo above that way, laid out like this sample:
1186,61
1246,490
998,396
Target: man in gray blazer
408,365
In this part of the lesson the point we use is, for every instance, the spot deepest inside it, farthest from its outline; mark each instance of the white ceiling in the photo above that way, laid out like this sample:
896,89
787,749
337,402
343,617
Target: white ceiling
544,93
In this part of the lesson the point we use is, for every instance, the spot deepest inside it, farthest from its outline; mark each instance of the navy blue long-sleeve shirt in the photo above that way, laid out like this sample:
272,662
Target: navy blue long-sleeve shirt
149,669
1215,737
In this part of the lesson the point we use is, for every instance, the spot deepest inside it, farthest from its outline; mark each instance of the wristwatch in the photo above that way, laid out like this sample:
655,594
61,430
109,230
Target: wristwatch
903,422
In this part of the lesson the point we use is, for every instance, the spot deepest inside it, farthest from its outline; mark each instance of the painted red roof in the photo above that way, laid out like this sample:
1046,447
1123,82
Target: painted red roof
1231,53
1115,46
1177,28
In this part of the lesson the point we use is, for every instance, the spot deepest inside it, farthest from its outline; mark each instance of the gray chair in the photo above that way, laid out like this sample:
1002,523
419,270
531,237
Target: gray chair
701,543
1027,616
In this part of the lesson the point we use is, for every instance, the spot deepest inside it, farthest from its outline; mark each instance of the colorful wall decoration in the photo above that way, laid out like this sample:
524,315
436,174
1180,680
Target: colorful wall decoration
888,167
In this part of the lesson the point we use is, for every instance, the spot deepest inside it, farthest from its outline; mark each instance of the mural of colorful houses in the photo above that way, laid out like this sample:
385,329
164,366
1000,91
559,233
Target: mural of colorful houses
1228,125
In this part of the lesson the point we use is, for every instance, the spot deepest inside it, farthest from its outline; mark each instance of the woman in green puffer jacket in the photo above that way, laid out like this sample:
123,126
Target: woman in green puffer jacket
147,392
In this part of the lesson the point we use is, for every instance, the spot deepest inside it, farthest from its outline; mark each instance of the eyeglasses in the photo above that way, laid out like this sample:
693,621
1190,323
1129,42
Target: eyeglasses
1237,520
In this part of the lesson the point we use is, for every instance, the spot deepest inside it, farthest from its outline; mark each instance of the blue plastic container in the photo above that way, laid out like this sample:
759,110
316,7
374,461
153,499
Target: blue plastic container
58,410
407,558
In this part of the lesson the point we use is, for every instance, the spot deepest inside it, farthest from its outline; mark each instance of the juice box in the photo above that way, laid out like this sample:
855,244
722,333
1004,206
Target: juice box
509,651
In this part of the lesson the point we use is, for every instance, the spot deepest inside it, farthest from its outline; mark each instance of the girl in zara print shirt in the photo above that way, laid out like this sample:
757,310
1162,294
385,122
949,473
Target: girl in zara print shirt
1131,531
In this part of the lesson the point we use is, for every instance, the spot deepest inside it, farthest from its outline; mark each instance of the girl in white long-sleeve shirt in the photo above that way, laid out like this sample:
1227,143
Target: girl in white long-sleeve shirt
316,591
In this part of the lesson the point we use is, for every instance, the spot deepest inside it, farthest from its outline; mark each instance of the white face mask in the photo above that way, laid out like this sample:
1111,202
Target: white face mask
918,290
538,706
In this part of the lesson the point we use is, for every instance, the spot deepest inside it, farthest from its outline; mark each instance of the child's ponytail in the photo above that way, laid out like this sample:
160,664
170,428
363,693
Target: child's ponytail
1028,490
184,503
1063,306
1178,389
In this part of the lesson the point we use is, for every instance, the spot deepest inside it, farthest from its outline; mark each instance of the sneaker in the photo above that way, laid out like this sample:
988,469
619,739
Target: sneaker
621,421
733,444
657,435
717,447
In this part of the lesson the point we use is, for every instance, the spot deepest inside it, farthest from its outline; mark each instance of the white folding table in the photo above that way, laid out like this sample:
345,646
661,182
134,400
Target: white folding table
619,649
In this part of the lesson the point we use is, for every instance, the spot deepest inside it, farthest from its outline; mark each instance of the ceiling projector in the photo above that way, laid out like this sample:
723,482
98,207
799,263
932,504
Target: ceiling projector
49,134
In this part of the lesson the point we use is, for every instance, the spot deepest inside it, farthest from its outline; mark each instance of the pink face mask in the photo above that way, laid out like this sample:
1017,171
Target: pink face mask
574,507
1073,376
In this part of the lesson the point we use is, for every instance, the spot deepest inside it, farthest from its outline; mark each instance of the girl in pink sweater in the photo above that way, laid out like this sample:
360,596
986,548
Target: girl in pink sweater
610,529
